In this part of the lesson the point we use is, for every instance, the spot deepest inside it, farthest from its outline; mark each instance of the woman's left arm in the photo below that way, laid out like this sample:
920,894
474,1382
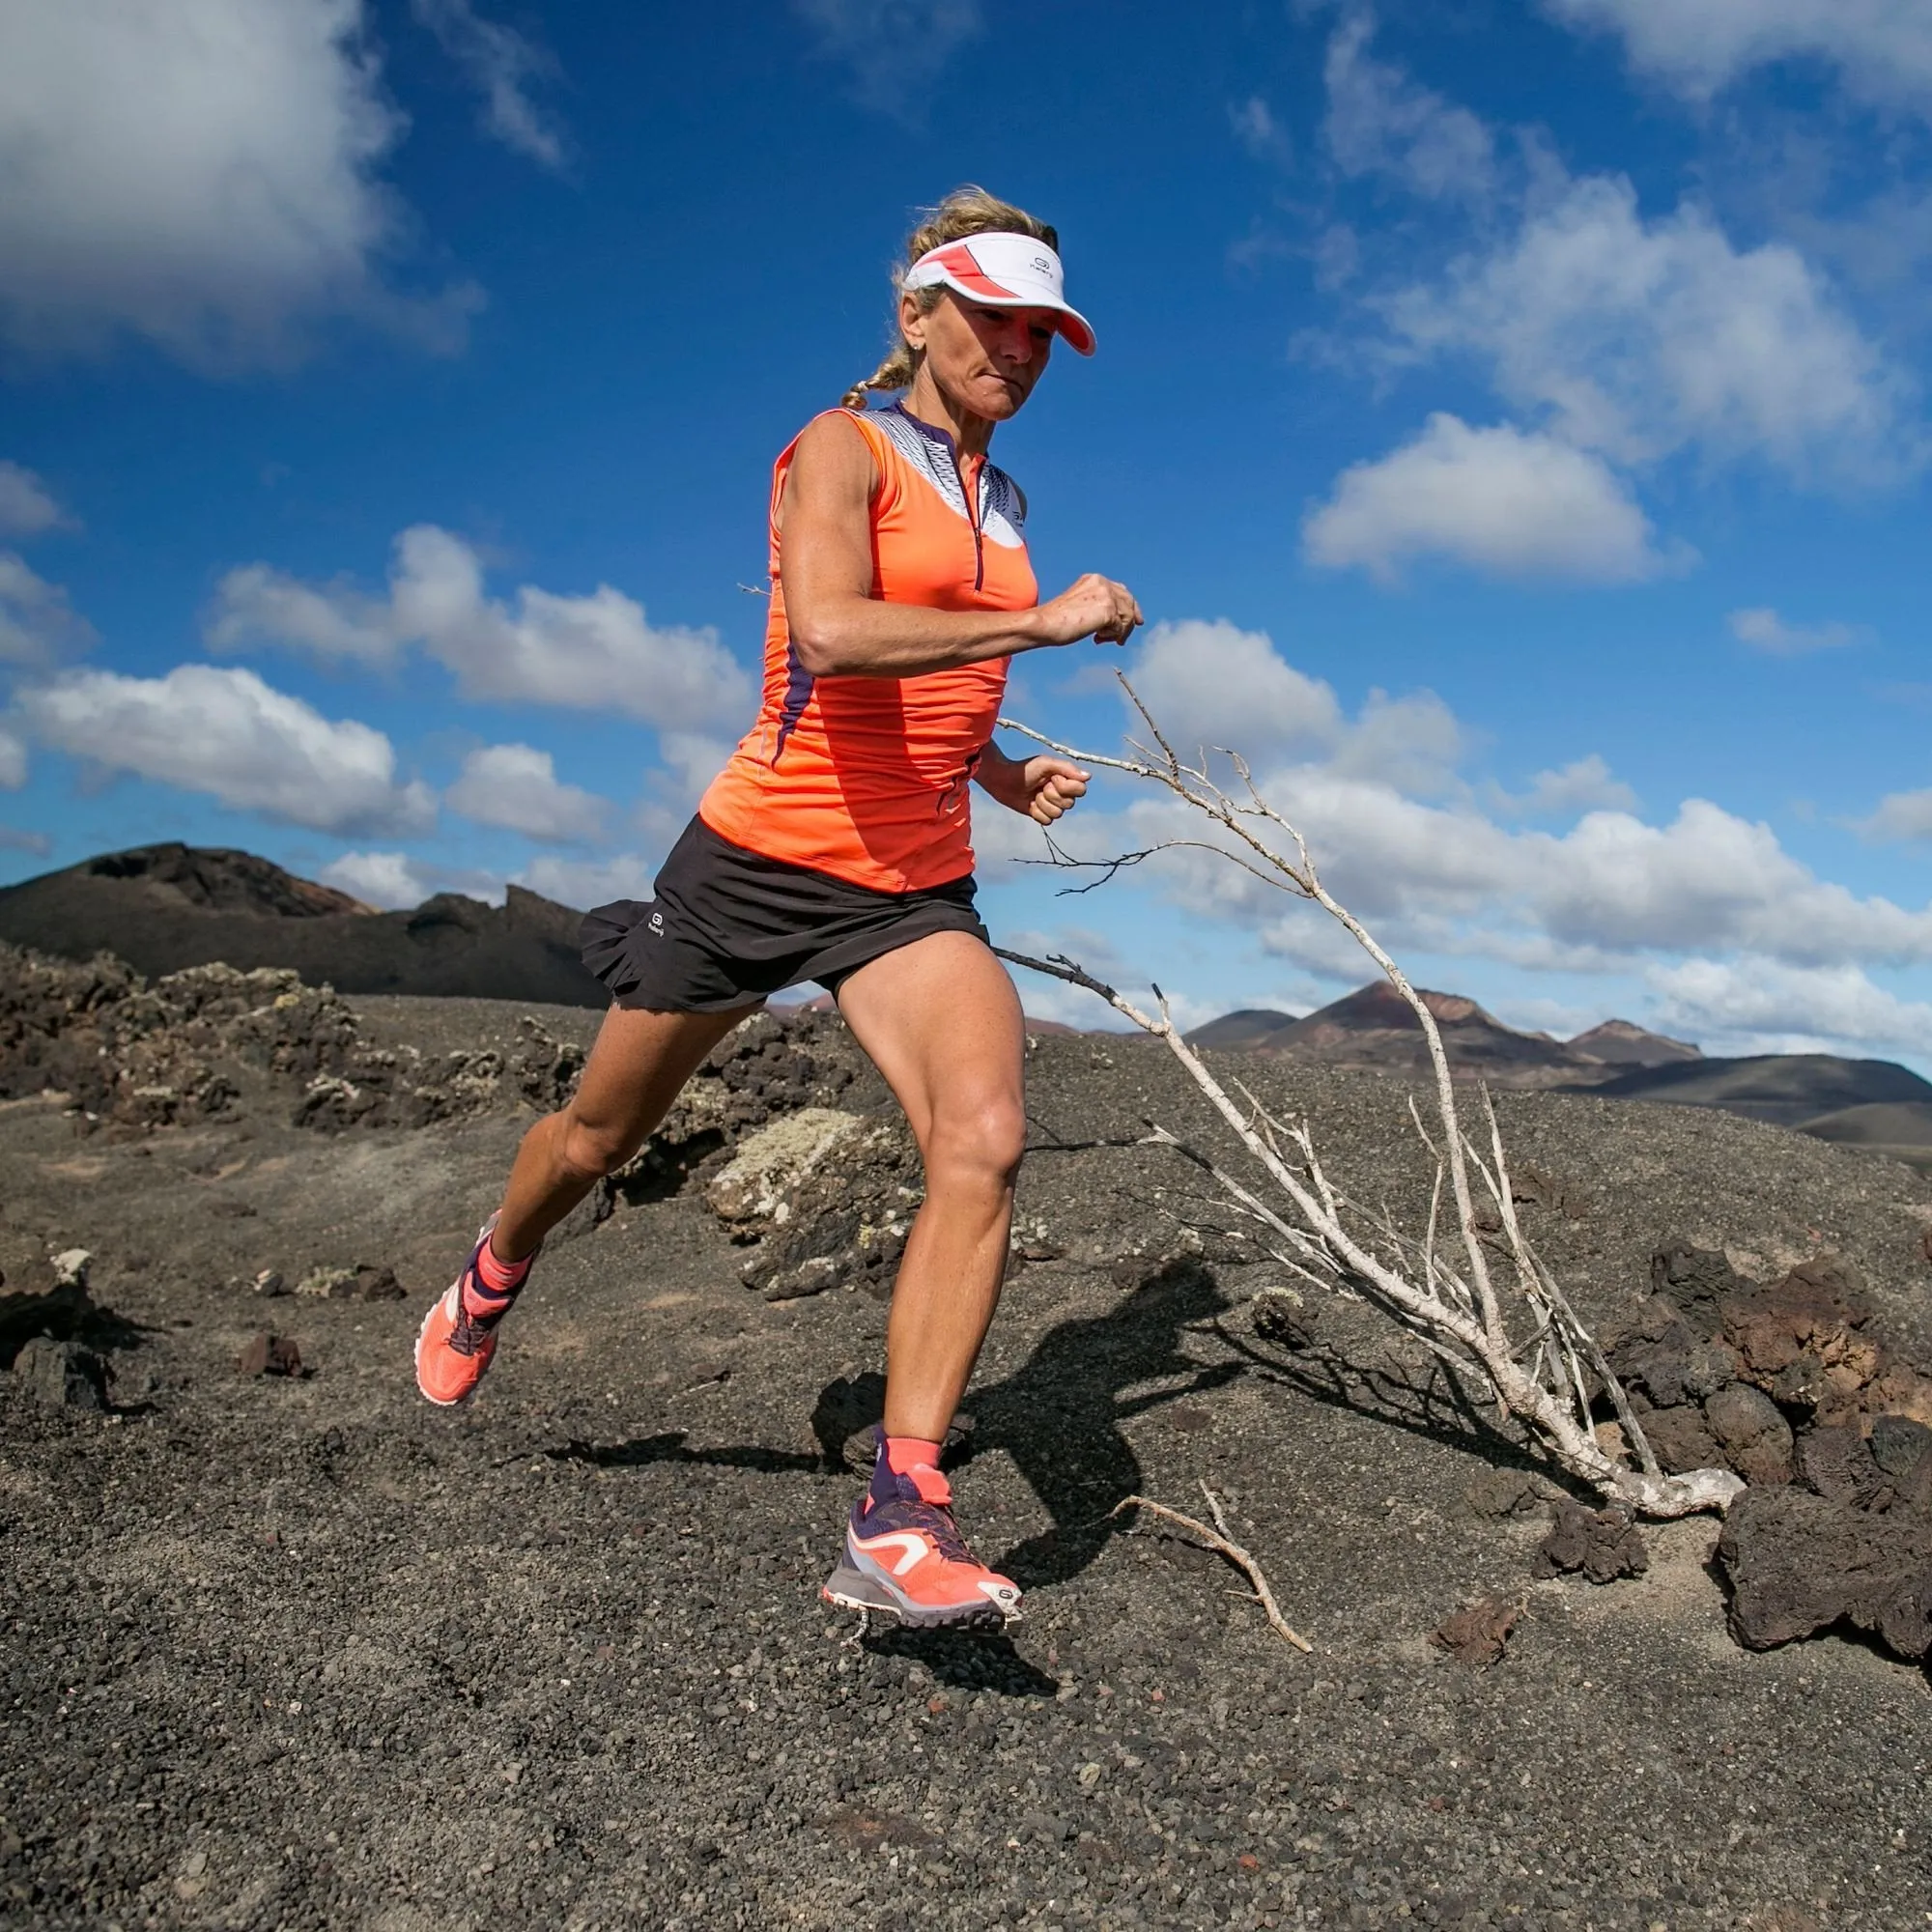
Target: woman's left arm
1043,788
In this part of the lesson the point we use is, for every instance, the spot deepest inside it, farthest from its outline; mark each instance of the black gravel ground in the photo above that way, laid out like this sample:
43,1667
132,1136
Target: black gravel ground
306,1652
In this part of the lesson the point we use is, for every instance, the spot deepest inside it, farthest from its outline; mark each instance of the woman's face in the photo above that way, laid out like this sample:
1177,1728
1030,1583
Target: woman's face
984,359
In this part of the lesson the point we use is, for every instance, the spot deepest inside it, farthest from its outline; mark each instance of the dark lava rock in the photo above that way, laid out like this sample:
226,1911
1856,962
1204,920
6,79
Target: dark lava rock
1476,1636
1757,1439
1799,1563
63,1375
1662,1363
1603,1544
1898,1444
1837,1464
1682,1441
269,1355
197,1046
1695,1282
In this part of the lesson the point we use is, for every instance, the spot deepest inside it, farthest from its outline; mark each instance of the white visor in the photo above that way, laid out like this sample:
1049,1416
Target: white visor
1006,271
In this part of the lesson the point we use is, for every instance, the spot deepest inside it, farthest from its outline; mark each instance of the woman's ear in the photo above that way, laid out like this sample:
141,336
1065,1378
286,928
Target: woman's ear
912,322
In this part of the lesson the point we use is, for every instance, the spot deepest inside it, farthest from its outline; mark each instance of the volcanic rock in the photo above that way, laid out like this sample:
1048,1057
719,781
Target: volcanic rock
268,1355
1476,1636
1899,1444
1682,1441
1697,1283
1799,1563
1603,1544
1757,1439
63,1375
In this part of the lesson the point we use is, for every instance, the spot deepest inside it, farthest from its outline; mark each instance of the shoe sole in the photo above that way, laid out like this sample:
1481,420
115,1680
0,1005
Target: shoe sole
852,1589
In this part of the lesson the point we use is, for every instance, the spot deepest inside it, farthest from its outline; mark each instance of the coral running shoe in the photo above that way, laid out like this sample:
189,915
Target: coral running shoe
458,1337
904,1555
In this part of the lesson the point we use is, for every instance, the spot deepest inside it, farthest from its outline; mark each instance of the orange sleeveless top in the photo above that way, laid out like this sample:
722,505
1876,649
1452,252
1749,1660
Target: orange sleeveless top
867,778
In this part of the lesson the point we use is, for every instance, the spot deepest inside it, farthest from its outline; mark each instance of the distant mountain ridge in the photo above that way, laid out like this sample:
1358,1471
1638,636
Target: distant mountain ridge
1375,1027
163,908
1875,1104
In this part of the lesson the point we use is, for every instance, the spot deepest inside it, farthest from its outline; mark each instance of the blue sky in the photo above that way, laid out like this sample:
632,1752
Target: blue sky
1510,412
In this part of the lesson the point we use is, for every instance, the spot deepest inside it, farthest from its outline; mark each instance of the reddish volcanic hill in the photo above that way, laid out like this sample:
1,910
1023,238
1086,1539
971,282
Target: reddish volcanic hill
1373,1028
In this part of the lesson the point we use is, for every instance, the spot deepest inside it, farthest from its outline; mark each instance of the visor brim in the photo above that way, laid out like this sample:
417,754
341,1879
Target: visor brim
1074,326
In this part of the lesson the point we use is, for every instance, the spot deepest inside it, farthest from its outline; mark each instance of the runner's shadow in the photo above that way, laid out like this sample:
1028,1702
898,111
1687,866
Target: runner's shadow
1059,1416
970,1660
642,1450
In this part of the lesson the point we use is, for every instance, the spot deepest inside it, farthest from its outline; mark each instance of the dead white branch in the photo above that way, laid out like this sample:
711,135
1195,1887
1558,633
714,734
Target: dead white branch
1219,1541
1450,1299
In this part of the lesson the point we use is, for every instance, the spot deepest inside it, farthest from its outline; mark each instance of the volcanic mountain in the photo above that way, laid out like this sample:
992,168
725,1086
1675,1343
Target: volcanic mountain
1374,1028
163,908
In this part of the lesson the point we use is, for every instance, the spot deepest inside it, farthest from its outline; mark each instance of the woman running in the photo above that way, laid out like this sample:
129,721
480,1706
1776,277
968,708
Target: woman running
835,847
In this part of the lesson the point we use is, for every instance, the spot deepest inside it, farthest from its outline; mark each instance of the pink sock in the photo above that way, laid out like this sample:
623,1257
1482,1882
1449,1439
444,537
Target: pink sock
904,1453
496,1277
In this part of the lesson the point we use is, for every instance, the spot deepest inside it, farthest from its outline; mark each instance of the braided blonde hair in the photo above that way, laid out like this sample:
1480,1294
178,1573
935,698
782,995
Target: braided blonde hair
966,210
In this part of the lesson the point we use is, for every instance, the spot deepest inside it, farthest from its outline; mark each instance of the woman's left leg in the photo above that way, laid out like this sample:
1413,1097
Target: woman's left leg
941,1021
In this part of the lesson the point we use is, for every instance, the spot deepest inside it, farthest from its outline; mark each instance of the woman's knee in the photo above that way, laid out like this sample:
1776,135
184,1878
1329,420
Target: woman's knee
592,1149
978,1139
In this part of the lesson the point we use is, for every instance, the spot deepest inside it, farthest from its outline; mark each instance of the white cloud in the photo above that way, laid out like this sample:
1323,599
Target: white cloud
388,880
516,787
15,838
1214,683
12,761
590,653
38,627
1640,339
1883,47
1381,122
1444,875
585,883
1505,501
26,505
693,760
893,49
1900,815
501,65
256,605
1762,1006
1585,784
1259,133
225,733
1764,630
200,173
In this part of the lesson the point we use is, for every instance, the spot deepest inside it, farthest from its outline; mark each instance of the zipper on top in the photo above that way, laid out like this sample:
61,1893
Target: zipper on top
970,492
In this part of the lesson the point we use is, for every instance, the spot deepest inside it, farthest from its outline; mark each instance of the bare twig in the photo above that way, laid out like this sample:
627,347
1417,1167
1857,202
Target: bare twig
1223,1545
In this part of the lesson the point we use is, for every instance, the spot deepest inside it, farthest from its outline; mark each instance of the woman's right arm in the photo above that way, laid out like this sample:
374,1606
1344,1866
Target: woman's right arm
838,629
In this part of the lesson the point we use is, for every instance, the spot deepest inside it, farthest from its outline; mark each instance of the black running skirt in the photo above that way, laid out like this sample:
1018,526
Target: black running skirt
730,928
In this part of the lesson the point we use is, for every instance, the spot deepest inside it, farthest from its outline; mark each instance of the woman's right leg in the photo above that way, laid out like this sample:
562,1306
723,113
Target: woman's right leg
637,1068
635,1071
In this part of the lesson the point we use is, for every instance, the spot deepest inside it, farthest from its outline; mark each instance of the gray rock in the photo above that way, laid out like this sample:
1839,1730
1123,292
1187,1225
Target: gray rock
1682,1441
1798,1564
1898,1444
63,1375
1837,1464
1603,1544
1757,1439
